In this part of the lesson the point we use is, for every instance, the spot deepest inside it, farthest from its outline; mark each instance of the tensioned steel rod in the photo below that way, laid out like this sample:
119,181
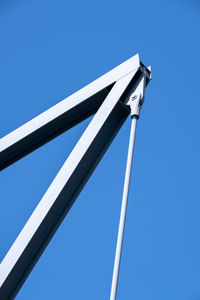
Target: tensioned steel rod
123,210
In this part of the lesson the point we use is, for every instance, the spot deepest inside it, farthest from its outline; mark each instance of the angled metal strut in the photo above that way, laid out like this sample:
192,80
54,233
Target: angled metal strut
108,98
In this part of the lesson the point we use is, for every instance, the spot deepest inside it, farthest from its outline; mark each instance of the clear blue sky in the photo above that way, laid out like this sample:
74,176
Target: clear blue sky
50,49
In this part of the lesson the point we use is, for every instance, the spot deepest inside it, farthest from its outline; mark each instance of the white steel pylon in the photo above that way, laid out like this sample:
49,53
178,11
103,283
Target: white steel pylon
108,98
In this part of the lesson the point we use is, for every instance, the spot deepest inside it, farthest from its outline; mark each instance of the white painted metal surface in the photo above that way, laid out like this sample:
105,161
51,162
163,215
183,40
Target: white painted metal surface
71,101
62,178
54,117
107,95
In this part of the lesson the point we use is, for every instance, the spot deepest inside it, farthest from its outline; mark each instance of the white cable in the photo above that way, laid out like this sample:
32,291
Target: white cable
123,210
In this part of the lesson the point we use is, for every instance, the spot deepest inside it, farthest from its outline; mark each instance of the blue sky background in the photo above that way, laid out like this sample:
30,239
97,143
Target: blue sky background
50,49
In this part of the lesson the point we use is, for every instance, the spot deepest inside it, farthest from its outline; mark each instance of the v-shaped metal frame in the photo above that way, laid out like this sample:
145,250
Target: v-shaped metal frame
108,97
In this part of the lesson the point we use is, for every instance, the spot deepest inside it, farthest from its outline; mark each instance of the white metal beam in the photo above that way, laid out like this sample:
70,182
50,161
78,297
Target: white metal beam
61,116
57,201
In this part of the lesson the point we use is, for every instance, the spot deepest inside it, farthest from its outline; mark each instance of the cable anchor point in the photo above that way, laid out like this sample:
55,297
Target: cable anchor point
135,105
136,100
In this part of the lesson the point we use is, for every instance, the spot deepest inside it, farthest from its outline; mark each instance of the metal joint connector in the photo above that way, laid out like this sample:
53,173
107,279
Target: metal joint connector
136,100
135,105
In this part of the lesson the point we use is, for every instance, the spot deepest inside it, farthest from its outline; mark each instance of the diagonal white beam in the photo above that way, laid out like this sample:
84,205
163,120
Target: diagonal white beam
65,188
61,116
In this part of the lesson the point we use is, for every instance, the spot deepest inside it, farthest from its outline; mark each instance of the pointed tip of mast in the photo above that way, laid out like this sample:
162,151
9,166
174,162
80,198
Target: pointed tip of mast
134,60
137,56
